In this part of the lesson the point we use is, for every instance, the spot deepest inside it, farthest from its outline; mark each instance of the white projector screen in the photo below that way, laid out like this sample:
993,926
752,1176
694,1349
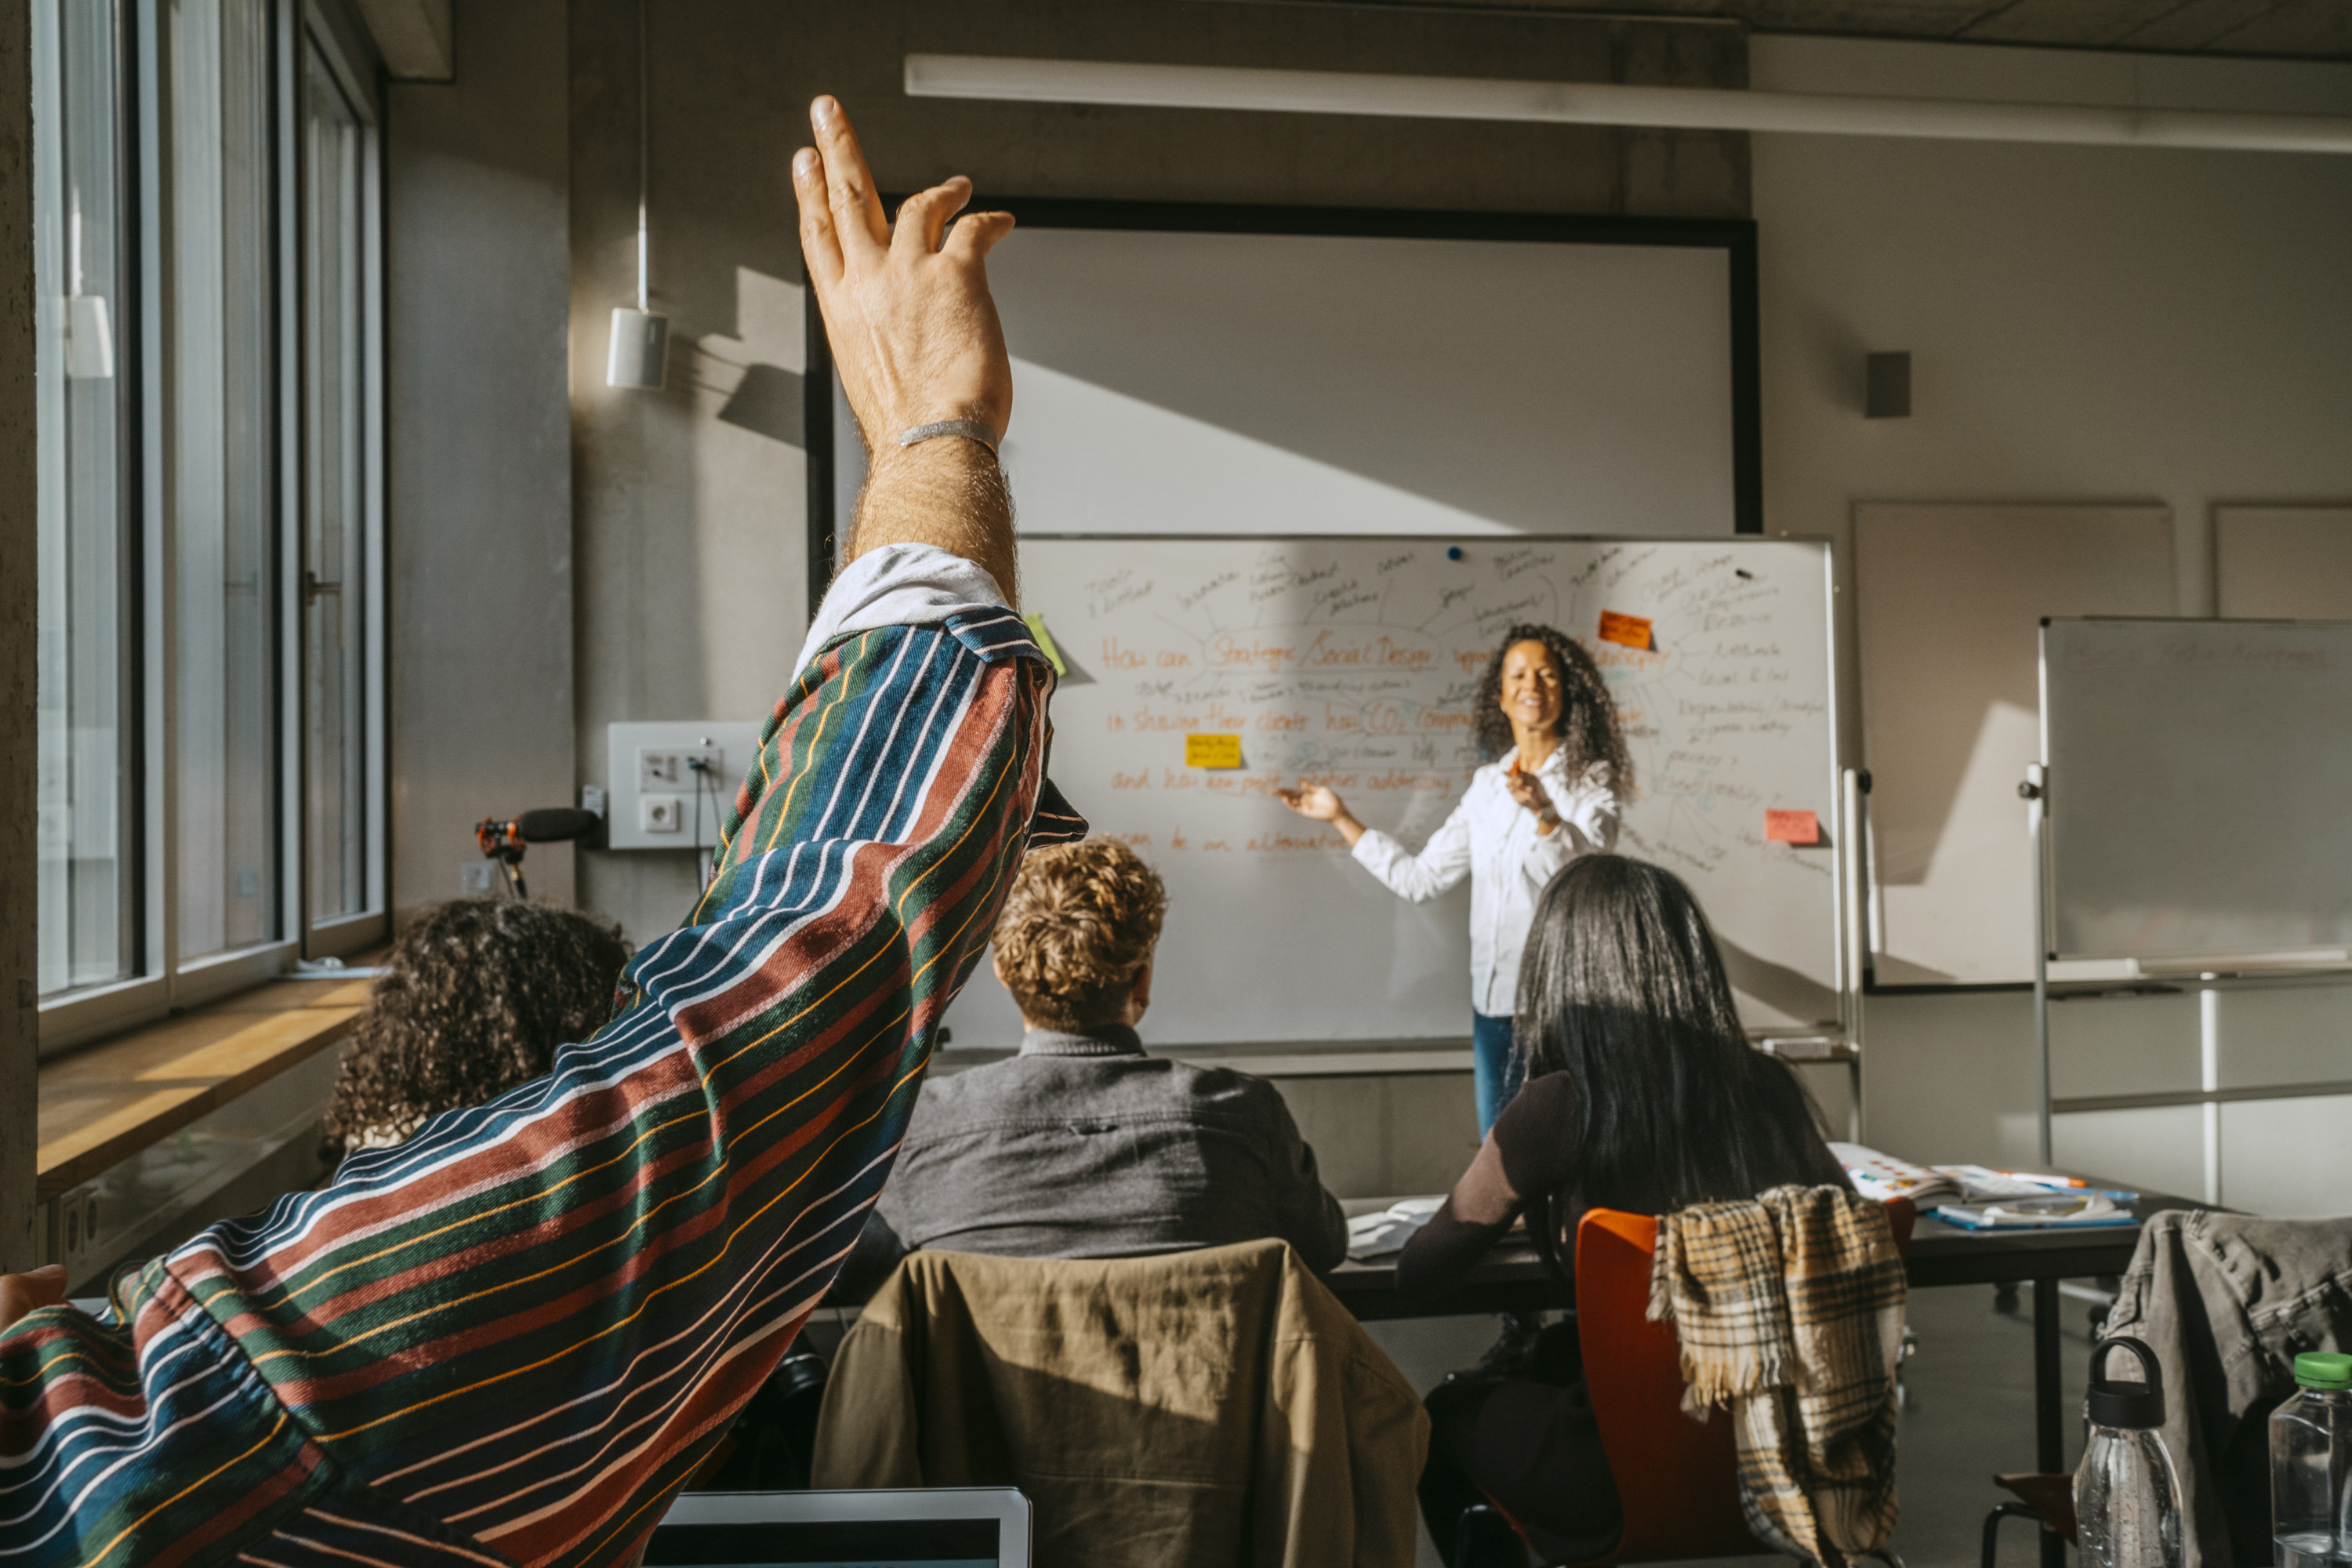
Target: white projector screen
1201,370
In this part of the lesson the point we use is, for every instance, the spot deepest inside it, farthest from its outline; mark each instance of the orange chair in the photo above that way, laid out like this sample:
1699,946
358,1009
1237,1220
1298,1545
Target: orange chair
1676,1479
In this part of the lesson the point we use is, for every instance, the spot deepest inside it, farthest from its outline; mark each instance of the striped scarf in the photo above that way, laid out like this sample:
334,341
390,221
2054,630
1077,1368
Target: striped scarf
1789,1308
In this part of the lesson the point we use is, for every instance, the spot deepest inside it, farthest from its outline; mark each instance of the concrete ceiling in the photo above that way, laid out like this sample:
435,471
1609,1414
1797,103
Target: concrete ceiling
2304,30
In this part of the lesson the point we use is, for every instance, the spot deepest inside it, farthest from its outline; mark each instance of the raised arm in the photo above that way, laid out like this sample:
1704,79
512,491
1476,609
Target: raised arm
512,1338
916,339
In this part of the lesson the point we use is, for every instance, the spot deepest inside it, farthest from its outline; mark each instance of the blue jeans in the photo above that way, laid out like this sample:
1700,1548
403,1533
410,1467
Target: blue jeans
1496,1071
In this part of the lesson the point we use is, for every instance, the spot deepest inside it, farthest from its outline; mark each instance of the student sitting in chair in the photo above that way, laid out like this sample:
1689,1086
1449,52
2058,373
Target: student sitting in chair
476,995
1083,1146
1644,1095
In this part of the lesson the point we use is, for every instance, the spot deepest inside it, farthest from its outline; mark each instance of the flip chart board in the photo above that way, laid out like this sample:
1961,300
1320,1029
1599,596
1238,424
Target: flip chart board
1354,661
2200,786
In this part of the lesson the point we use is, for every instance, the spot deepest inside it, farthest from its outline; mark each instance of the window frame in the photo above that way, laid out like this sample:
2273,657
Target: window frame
339,935
163,982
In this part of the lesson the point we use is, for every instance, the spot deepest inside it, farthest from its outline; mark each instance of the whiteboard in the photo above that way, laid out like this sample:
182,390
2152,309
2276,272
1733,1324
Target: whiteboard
1354,660
2201,786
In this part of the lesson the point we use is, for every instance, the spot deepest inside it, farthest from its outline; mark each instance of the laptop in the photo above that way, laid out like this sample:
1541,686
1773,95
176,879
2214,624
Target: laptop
979,1527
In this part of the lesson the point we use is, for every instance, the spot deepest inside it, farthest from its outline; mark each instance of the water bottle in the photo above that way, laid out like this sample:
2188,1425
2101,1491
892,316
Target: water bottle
2311,1452
2127,1498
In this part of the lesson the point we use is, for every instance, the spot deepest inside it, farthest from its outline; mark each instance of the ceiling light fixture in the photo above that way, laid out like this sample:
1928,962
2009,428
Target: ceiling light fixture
1607,103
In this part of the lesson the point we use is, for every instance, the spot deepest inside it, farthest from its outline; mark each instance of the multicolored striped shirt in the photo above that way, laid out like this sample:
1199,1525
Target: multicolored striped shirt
512,1339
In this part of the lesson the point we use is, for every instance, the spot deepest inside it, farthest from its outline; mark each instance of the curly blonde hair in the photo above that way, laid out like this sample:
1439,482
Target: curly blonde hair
1076,930
474,999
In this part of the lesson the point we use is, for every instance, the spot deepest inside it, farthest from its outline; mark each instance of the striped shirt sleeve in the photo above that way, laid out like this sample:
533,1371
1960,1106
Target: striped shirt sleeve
511,1338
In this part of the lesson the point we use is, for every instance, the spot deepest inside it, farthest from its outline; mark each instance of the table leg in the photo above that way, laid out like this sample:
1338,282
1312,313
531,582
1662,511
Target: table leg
2049,1405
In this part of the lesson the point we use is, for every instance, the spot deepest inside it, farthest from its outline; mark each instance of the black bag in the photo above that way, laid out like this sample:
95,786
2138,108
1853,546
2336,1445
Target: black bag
1532,1350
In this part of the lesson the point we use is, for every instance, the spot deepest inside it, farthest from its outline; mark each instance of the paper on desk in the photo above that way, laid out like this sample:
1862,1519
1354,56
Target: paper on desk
2086,1207
1371,1235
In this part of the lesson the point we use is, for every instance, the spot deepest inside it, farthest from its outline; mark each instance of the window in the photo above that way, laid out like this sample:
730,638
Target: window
211,680
337,578
86,696
223,517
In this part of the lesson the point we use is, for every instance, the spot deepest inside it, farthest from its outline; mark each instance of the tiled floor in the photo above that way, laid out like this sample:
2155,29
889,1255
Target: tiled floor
1970,1413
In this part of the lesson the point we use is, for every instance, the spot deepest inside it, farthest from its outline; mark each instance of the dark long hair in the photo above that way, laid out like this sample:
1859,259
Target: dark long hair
1621,988
1588,719
475,998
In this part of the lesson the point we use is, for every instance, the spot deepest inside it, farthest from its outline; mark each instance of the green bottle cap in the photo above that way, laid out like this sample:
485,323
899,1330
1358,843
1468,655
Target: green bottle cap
2323,1369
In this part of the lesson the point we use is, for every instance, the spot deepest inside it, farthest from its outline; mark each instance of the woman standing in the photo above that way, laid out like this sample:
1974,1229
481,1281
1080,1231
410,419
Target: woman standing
1557,769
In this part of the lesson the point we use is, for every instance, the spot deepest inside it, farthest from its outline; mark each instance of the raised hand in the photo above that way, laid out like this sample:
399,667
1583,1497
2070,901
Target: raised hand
916,339
913,329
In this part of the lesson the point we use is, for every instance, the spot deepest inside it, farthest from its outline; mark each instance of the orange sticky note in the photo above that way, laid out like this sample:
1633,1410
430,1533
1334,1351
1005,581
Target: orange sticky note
1791,827
1629,631
1213,751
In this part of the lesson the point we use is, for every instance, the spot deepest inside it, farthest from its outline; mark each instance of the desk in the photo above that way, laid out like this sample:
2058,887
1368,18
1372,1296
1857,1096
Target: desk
1513,1278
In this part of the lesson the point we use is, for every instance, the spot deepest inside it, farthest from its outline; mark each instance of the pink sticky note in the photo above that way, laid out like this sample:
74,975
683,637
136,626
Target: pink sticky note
1791,827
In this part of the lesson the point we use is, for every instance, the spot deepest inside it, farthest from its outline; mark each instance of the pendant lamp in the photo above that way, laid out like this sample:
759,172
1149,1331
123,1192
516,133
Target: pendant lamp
640,352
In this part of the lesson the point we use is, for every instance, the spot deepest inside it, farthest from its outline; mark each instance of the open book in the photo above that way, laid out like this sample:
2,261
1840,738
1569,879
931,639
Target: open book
1978,1198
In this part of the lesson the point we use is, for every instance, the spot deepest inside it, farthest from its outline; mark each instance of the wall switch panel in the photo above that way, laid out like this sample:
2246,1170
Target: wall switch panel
669,785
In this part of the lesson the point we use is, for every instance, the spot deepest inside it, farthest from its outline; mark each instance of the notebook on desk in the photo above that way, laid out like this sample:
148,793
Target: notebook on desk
980,1527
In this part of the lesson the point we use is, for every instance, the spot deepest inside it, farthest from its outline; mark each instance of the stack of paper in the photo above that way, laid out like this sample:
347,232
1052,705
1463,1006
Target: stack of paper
1371,1235
2082,1207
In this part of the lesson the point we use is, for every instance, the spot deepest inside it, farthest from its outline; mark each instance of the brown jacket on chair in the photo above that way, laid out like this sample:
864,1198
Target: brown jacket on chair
1210,1407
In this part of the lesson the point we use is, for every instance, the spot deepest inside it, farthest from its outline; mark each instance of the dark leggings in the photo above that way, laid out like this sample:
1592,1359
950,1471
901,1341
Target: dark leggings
1534,1449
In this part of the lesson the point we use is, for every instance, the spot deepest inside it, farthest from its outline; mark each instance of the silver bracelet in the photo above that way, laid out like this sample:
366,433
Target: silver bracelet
970,429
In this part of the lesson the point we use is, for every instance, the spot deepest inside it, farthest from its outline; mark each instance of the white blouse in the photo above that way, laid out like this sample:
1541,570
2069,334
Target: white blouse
1492,838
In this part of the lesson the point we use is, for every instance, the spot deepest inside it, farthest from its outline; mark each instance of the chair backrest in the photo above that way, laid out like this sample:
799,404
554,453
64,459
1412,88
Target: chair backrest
1165,1409
1676,1478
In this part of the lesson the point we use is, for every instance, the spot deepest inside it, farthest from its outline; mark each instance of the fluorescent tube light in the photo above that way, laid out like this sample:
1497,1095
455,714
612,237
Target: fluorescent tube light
1606,103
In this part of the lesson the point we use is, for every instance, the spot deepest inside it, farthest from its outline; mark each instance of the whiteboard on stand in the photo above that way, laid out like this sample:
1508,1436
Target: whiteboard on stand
2200,777
1354,660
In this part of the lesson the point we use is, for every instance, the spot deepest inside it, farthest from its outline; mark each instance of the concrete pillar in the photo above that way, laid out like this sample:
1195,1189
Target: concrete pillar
19,591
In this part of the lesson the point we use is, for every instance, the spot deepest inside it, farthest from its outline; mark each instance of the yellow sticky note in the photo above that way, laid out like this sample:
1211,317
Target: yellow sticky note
1044,640
1213,751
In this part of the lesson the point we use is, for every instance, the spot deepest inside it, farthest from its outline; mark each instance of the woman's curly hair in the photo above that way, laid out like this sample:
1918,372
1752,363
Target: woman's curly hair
1588,719
474,999
1075,930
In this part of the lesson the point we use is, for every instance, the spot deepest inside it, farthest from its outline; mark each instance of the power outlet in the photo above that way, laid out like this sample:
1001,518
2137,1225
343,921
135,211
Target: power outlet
695,763
672,767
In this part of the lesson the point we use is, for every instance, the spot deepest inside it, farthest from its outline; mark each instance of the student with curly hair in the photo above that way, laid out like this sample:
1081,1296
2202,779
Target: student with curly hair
1082,1145
475,999
1556,769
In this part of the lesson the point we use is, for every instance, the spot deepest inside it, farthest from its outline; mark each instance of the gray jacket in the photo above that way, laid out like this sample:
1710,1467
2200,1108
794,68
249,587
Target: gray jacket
1082,1146
2227,1301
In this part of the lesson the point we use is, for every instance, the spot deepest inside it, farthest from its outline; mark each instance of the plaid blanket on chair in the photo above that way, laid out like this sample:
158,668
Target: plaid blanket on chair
1789,1308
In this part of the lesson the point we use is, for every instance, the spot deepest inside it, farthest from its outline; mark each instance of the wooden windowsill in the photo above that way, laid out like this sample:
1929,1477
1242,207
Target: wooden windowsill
105,1102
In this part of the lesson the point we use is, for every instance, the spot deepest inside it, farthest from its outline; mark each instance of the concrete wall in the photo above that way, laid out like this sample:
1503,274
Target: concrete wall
689,502
19,592
2086,324
477,295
